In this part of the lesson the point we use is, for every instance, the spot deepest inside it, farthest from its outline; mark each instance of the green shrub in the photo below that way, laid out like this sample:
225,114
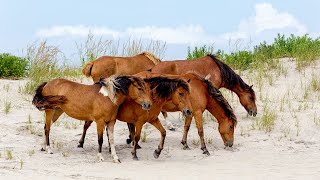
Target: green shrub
199,52
12,66
239,60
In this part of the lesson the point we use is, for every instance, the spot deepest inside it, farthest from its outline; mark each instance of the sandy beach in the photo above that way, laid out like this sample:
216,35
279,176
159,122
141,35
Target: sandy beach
291,150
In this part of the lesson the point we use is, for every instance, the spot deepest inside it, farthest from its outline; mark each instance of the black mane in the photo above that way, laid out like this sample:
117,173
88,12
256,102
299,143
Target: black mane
123,82
229,77
166,86
216,94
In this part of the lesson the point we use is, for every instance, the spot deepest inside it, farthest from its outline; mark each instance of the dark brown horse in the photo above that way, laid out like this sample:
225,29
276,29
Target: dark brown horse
84,102
173,90
106,66
221,75
204,96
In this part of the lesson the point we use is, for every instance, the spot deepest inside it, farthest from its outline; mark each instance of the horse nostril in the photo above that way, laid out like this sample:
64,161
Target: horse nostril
189,112
146,106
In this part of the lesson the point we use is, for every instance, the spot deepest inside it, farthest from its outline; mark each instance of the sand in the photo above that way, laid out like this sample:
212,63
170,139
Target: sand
290,151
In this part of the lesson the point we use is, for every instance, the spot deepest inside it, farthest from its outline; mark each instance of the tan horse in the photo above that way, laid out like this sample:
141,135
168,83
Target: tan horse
221,75
106,66
84,102
173,90
204,96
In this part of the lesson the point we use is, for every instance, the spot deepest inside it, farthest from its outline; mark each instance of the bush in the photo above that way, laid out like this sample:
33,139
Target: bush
199,52
44,66
239,60
12,66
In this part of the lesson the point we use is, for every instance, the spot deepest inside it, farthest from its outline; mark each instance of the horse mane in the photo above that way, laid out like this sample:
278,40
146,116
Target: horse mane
229,77
115,85
152,57
166,86
216,94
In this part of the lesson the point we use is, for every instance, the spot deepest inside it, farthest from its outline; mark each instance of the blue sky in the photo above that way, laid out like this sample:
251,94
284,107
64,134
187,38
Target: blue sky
179,23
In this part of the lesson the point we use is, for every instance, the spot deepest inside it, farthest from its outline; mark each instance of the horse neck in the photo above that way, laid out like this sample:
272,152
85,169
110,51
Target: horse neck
216,110
236,88
121,99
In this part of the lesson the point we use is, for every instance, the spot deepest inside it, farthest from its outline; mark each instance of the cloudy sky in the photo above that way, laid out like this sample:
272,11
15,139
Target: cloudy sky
179,23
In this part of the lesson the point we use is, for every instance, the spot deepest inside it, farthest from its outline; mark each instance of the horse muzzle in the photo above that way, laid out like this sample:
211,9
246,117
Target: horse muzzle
252,113
146,106
187,112
228,143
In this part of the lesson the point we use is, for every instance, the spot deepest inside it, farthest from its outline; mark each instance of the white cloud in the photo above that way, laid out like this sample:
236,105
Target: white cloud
266,18
188,34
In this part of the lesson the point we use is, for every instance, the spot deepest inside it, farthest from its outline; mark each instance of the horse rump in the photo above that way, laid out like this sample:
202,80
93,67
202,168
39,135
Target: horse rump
46,102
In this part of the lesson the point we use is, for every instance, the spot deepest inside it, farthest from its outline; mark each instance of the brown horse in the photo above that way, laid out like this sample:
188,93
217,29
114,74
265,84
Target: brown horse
106,66
84,102
221,76
204,96
173,90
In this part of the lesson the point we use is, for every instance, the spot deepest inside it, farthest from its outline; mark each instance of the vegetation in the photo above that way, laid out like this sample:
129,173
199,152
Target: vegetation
303,49
43,60
12,66
199,52
7,107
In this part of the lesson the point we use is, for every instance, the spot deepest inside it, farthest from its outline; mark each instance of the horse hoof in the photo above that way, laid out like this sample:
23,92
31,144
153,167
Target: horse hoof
186,147
172,129
129,141
135,158
116,161
109,150
156,154
42,149
80,145
206,153
138,146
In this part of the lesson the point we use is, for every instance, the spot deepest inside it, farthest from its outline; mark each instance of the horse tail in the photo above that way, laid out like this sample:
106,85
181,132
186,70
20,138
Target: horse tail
87,69
46,102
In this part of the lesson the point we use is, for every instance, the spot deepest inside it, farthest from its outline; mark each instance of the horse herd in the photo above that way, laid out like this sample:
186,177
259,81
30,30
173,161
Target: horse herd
136,89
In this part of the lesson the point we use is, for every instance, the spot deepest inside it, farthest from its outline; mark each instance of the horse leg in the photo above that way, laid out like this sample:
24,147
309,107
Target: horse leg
198,119
168,123
136,140
159,126
132,130
108,146
100,128
129,140
47,125
110,128
85,128
185,133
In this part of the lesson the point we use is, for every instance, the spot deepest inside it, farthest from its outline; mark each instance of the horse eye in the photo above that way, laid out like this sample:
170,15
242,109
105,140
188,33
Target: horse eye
231,127
140,89
180,94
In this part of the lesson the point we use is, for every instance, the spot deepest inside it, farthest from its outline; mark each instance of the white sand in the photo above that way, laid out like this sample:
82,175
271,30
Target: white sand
290,151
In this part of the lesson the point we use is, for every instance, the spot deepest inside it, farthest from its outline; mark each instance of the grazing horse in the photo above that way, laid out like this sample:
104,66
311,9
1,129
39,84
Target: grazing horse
221,76
204,96
84,102
164,89
106,66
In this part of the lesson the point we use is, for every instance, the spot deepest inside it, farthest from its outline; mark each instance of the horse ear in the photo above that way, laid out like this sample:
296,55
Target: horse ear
251,86
188,81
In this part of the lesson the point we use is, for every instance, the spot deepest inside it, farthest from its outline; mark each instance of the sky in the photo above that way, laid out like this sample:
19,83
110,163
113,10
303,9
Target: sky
227,25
